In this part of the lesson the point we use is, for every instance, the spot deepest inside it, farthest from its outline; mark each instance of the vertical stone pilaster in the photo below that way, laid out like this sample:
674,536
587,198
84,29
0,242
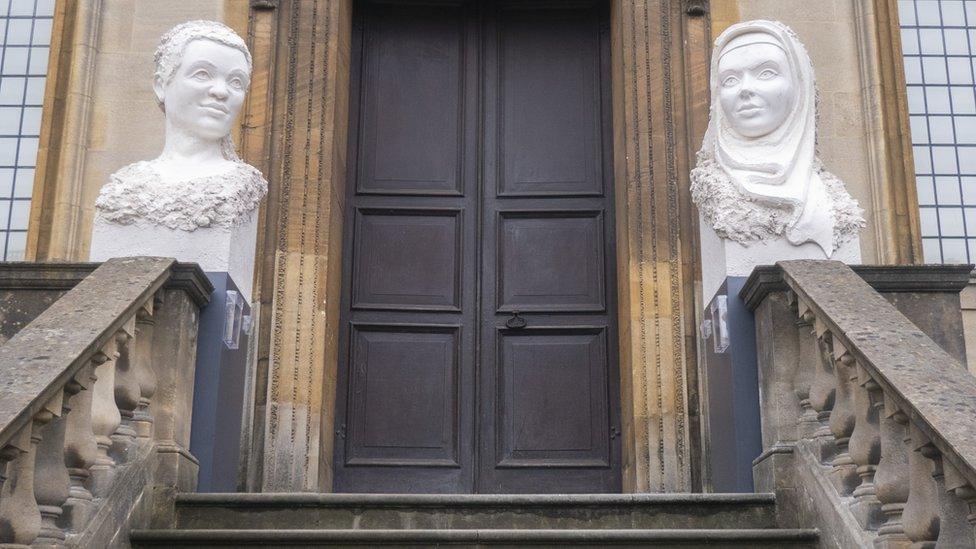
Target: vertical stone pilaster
308,168
654,264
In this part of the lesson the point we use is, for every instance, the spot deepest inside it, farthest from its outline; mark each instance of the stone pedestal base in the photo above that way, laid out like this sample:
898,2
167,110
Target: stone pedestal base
229,250
725,258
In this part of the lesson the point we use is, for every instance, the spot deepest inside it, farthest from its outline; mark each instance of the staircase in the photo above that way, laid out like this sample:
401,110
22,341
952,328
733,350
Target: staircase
335,520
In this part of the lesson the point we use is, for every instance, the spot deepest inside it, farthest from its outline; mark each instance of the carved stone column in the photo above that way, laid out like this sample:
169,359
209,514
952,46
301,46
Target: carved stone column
80,452
105,417
803,379
865,447
822,391
142,417
921,514
51,482
127,393
889,478
20,517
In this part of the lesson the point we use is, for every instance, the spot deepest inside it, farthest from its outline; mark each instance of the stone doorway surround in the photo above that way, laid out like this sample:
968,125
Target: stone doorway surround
294,130
656,45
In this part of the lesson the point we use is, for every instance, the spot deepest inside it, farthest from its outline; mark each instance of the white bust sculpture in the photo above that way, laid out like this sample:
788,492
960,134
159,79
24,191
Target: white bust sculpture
758,177
197,200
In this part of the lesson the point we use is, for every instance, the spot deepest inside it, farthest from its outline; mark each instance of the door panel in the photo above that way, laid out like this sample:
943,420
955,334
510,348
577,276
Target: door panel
406,382
478,199
413,104
552,396
551,261
548,83
407,259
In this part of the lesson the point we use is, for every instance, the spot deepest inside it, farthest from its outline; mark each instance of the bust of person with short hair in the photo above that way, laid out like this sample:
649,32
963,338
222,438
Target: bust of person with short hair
197,201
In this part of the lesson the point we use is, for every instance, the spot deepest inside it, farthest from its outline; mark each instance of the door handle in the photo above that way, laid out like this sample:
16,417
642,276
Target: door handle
516,322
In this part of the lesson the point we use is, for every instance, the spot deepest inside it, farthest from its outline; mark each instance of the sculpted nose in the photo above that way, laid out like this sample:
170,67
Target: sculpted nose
746,89
219,90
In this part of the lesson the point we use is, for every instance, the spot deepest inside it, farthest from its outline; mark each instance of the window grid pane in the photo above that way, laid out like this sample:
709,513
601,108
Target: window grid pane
939,43
25,39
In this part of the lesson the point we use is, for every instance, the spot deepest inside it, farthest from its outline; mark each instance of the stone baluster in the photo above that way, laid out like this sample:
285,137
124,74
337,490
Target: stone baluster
865,447
51,481
807,423
921,514
8,453
842,420
142,418
105,417
80,451
20,517
822,391
963,489
890,477
127,393
954,530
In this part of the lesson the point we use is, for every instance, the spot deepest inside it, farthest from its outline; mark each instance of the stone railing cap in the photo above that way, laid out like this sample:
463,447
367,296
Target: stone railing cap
39,360
923,380
23,275
882,278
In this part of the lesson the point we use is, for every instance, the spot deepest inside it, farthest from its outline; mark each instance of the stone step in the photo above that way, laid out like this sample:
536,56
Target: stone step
477,511
269,539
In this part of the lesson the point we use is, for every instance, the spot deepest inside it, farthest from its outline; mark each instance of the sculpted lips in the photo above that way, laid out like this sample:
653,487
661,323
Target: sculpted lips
217,107
749,108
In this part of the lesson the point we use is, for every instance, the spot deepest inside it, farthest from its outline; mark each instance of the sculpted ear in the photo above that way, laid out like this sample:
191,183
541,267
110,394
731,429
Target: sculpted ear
159,88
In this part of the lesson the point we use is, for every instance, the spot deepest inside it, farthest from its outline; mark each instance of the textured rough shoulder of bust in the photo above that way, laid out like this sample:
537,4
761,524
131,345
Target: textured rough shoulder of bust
731,214
119,199
848,215
136,193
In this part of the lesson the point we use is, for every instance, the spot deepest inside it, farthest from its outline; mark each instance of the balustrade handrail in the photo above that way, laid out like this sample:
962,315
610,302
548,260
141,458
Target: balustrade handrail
39,360
930,386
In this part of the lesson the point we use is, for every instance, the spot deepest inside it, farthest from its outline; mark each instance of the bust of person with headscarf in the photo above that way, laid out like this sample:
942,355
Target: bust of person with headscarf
197,201
758,179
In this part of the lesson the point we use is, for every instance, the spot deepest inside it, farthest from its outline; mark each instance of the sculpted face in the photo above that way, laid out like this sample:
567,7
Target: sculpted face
206,92
756,87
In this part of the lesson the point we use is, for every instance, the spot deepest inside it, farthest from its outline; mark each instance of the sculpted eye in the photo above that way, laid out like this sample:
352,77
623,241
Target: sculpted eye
200,75
237,83
766,74
730,81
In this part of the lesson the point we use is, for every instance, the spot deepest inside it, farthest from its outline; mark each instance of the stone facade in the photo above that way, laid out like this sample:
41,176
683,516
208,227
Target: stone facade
293,130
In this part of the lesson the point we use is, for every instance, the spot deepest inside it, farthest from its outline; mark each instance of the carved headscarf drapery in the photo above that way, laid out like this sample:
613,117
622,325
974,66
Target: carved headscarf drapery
778,173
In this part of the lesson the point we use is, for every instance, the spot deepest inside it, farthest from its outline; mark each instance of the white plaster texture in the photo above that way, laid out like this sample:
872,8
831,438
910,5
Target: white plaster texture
723,258
762,192
227,249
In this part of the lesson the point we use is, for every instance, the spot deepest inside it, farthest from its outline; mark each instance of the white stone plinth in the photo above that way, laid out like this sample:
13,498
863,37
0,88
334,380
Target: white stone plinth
221,249
722,258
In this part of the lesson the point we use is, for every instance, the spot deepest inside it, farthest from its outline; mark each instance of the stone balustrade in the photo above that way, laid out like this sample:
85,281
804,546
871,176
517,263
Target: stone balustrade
95,398
868,424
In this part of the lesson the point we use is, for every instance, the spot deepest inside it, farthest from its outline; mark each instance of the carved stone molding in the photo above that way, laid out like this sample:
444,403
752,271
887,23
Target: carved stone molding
696,8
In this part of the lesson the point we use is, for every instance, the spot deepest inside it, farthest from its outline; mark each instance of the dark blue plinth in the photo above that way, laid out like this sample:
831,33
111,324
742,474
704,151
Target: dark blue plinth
218,391
734,434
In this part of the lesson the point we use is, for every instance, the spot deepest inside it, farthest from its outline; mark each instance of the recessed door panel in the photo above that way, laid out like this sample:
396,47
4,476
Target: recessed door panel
406,382
412,105
552,394
407,259
551,261
548,84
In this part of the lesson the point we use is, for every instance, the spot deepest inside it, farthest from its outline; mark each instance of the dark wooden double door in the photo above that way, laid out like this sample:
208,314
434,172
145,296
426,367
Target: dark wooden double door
478,351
